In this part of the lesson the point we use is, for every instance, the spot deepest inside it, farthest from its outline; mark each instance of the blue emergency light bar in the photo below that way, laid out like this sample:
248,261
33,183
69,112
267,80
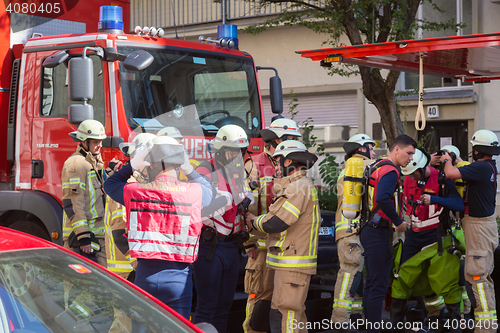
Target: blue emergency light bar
110,17
228,32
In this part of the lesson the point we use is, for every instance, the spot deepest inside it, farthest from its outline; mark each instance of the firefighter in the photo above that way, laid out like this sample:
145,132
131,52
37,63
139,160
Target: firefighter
217,267
163,219
117,251
377,234
347,300
292,225
261,170
479,225
421,270
83,199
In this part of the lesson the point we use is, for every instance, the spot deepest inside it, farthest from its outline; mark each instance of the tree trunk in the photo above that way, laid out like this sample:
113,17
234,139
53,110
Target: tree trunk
381,93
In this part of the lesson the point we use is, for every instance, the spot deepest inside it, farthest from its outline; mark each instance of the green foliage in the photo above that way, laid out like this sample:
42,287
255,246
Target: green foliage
329,169
425,141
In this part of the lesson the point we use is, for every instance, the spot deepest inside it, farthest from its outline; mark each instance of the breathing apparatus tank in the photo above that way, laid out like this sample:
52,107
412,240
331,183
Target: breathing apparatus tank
459,183
353,188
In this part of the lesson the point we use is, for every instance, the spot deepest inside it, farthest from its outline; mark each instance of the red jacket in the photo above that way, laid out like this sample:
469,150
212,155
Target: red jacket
425,217
229,223
164,219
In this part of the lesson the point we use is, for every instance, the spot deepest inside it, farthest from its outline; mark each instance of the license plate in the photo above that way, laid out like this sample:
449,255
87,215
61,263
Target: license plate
325,231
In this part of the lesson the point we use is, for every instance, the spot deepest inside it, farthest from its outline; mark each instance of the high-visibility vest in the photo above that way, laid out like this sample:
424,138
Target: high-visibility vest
422,217
373,185
164,219
229,223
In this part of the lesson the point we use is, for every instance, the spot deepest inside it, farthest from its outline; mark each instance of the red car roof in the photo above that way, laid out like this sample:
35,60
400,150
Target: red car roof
15,240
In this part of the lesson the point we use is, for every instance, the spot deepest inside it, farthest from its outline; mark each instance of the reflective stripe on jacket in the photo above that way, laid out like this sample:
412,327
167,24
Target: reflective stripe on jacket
83,198
229,223
296,248
422,217
164,219
115,220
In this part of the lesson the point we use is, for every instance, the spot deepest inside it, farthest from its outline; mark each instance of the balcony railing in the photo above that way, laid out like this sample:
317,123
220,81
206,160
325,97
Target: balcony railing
167,13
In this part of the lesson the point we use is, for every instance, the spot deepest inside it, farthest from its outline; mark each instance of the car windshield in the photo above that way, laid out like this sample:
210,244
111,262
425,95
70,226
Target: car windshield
197,92
45,290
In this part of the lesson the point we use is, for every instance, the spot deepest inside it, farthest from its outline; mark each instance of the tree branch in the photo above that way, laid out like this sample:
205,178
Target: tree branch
298,2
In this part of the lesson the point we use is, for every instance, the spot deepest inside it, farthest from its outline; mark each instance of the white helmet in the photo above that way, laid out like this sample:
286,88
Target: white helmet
89,129
231,136
451,148
355,142
361,138
297,151
170,131
140,139
279,128
486,142
420,160
166,149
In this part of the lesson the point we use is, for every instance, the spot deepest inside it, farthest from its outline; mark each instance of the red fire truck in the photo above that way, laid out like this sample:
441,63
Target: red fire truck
130,82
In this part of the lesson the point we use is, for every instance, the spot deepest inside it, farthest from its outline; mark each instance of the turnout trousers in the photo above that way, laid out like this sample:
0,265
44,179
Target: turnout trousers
259,282
481,239
288,308
347,301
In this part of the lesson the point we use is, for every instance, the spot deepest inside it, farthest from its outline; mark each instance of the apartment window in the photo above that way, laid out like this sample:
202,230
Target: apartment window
461,12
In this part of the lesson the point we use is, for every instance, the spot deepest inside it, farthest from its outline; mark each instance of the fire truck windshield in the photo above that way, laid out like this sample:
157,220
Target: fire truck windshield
192,90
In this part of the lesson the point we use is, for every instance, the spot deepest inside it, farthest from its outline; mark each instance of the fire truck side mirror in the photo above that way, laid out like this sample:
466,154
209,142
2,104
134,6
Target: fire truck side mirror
80,112
138,60
276,94
81,79
55,59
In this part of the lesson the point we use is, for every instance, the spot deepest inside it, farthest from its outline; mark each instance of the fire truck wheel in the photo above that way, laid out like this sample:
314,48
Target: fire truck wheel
30,227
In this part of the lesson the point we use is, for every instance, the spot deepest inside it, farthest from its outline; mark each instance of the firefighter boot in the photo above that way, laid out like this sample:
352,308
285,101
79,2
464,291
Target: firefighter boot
455,316
397,312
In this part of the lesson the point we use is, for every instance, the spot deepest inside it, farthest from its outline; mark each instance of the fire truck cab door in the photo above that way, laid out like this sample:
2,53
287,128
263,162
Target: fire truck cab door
52,144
